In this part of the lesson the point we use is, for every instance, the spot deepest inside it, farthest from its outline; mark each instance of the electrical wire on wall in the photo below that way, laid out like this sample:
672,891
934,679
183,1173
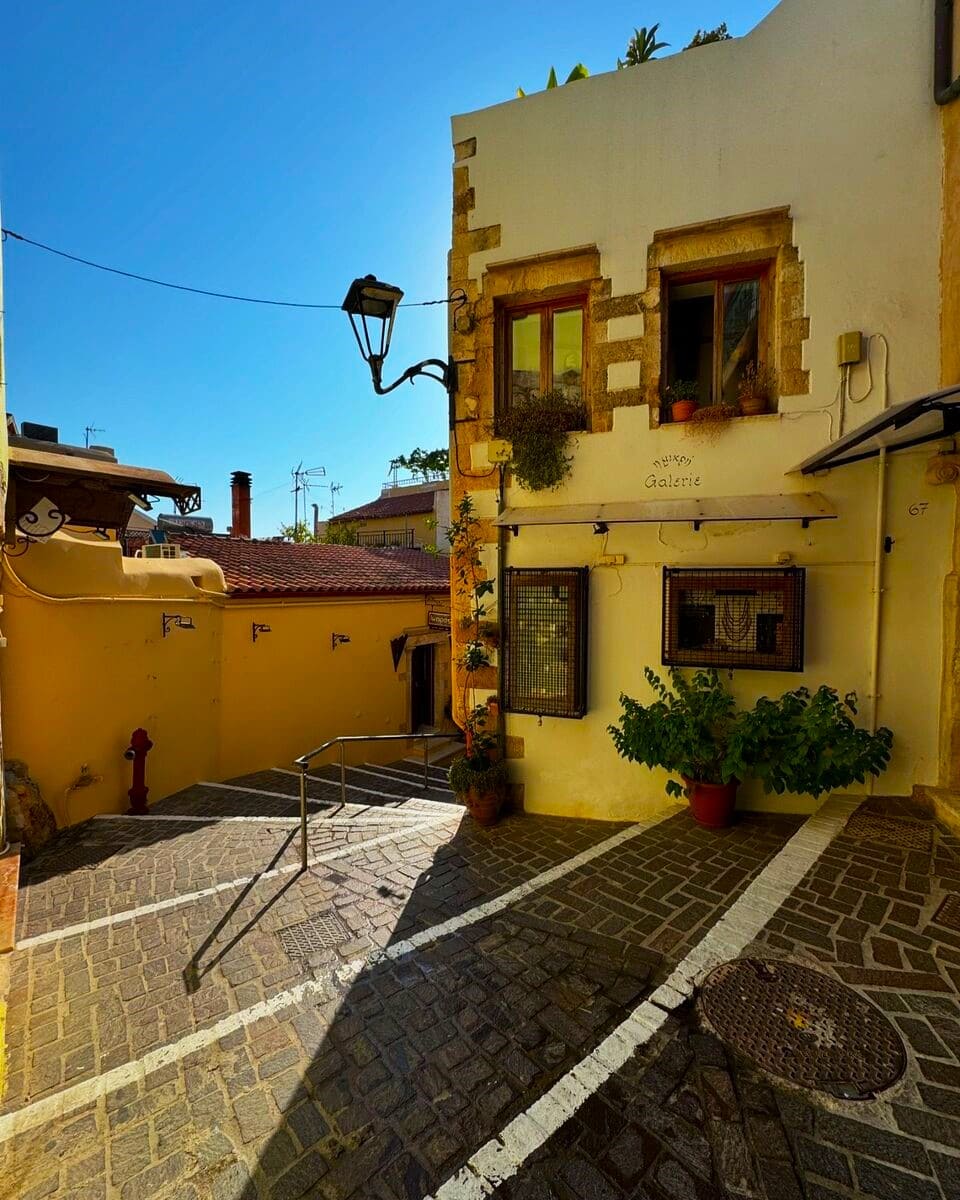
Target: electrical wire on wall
846,373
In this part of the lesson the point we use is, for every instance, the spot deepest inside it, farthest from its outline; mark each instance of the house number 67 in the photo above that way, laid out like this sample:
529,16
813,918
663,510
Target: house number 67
918,508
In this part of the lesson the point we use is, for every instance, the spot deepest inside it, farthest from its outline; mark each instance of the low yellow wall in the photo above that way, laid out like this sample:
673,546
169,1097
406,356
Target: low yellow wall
86,663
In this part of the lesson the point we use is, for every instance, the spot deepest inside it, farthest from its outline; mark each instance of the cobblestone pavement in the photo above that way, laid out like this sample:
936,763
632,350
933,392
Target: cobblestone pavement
192,1016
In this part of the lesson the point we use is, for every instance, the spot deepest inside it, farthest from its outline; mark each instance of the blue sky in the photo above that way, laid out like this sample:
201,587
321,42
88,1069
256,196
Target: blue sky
268,149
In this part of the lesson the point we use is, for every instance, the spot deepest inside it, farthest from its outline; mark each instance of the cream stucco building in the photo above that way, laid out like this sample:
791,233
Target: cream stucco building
755,198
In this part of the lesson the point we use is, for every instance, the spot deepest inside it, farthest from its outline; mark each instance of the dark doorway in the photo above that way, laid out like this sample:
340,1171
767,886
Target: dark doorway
421,687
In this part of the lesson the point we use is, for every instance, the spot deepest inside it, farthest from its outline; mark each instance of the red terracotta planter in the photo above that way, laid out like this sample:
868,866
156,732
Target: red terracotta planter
682,410
484,807
712,804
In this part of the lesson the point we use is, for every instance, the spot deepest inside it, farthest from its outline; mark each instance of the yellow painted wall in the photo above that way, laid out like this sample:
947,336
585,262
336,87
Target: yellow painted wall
86,663
793,115
570,766
291,691
422,533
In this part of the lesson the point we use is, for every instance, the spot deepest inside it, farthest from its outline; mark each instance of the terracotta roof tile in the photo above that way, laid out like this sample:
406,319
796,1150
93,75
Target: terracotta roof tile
389,506
257,567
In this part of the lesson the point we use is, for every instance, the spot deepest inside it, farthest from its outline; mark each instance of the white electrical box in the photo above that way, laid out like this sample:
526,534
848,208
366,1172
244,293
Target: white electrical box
160,550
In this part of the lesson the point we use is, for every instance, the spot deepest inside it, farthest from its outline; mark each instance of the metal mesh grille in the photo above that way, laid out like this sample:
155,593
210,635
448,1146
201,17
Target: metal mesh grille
545,641
316,933
803,1026
749,617
891,831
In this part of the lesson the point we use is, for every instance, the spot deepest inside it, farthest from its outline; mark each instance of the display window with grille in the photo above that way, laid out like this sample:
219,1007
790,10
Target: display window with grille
545,641
746,617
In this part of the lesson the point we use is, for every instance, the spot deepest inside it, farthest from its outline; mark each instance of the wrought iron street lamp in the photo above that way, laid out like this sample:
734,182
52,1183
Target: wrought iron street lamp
372,307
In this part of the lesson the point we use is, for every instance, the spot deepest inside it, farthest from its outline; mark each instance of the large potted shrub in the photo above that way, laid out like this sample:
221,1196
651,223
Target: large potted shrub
478,777
802,742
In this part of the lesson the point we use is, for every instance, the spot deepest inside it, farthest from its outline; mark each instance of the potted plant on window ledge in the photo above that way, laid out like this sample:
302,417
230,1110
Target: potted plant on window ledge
478,777
803,743
756,388
682,396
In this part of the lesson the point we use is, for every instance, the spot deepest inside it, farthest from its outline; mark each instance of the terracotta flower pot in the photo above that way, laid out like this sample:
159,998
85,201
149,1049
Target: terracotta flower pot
753,406
483,806
682,410
712,804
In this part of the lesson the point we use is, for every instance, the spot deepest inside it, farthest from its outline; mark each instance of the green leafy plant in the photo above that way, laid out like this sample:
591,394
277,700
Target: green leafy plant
803,742
430,464
704,37
578,72
341,533
538,428
472,588
681,389
709,421
465,774
641,47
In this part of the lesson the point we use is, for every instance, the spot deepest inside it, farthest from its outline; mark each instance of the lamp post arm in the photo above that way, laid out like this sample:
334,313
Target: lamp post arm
447,376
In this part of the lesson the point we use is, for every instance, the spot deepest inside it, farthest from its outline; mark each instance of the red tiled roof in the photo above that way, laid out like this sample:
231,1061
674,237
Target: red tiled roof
389,506
257,567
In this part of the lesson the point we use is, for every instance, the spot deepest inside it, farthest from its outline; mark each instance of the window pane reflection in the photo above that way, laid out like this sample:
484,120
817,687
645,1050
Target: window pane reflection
741,317
568,353
525,356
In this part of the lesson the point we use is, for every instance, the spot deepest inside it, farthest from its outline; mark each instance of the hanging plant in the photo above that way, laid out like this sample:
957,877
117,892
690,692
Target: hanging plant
538,428
709,421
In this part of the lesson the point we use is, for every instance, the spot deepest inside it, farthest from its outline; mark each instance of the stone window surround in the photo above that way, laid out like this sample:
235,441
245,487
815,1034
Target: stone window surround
762,237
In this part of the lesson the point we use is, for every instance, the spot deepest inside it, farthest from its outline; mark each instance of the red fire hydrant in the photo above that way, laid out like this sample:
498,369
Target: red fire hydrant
137,751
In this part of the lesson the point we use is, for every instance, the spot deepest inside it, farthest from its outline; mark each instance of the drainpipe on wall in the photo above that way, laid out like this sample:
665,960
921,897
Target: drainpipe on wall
878,555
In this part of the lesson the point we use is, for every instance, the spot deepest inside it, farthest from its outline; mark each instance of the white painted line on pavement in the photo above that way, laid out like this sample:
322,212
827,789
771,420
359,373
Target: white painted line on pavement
410,780
89,1090
411,775
144,910
314,820
233,787
504,1155
351,787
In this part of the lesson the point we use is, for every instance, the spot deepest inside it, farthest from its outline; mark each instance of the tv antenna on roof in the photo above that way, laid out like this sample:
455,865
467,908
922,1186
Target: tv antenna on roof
88,430
334,489
302,479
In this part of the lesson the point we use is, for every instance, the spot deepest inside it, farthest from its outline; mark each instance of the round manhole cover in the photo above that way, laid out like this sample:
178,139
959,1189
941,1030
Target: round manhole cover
803,1026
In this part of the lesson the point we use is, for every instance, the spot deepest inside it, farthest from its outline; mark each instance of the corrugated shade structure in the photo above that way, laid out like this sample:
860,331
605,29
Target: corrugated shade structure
927,419
796,506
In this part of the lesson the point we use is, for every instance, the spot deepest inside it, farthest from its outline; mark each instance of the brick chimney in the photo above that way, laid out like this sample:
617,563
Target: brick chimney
240,497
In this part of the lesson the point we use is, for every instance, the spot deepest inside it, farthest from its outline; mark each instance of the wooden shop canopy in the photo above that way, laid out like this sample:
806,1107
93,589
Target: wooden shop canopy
796,506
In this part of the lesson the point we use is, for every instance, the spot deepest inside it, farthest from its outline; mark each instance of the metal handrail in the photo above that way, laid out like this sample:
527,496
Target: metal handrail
303,763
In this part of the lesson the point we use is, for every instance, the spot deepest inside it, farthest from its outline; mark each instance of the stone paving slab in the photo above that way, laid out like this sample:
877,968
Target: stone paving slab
380,1077
690,1119
377,1083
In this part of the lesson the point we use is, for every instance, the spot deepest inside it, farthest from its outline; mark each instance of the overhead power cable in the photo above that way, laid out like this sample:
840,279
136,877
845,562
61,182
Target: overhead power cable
181,287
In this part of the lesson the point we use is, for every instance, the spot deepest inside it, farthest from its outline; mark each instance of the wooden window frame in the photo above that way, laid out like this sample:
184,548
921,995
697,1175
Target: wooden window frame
762,269
573,703
546,308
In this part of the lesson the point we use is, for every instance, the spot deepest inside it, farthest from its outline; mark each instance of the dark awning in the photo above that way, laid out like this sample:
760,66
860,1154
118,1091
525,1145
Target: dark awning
49,488
928,419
